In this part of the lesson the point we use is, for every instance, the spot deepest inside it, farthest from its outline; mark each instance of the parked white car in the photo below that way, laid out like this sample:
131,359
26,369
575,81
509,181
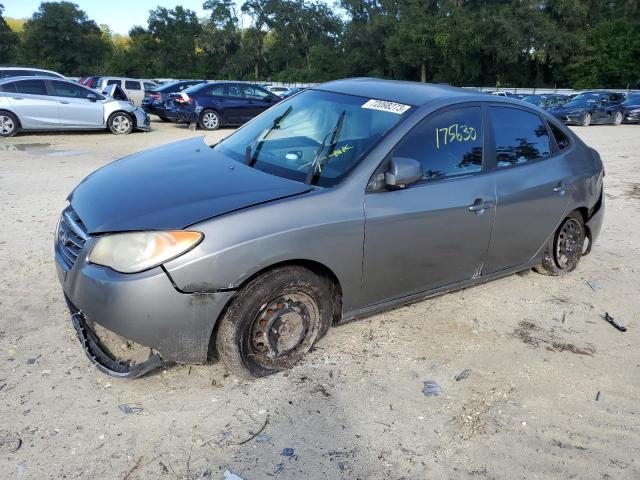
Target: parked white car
277,90
133,87
8,72
44,103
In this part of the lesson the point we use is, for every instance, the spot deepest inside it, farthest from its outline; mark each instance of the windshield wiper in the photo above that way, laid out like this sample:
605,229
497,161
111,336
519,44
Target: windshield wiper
251,160
335,133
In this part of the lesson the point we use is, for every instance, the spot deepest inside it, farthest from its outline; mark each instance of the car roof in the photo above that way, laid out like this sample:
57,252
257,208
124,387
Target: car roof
35,77
409,93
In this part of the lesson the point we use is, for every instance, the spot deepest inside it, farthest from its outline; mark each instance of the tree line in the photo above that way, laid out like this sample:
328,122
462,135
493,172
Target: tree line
564,43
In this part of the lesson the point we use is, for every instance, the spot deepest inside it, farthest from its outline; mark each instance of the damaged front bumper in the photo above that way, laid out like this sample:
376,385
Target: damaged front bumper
144,308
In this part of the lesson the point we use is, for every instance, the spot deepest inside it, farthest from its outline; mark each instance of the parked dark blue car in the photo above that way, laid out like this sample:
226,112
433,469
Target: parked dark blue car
592,108
156,102
631,108
547,100
213,105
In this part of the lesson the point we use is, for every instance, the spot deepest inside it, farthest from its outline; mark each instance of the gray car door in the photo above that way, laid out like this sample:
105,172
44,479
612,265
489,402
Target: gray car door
33,104
74,108
435,232
534,179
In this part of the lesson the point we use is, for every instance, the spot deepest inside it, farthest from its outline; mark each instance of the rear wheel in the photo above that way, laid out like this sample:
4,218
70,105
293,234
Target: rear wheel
209,120
616,118
274,321
564,250
8,124
120,123
586,120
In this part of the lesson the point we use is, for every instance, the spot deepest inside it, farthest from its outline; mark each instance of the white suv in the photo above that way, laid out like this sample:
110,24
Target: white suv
133,87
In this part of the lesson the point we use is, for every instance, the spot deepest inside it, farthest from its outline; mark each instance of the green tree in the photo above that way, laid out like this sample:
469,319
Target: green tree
59,36
8,40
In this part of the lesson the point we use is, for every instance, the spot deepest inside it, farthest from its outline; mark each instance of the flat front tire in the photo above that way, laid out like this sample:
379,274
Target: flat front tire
209,120
274,321
120,123
564,250
8,124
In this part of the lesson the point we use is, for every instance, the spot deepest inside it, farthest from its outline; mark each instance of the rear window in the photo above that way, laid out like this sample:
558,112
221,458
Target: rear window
31,87
132,85
520,136
114,82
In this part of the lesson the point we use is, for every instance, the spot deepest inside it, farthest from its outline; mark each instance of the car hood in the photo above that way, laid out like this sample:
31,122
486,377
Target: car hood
172,187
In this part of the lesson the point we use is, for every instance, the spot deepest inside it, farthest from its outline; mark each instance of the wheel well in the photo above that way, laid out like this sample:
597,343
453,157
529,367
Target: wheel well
14,114
316,267
584,212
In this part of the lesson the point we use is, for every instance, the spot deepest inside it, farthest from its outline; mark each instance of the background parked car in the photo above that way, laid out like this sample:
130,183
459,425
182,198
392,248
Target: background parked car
156,101
90,82
631,108
44,103
592,108
546,101
278,90
213,105
7,72
135,89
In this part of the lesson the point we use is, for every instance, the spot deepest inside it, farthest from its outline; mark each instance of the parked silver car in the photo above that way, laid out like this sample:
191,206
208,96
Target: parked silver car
43,103
346,199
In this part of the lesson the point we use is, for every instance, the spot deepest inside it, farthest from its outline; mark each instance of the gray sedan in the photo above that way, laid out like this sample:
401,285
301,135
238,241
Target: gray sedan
44,103
346,199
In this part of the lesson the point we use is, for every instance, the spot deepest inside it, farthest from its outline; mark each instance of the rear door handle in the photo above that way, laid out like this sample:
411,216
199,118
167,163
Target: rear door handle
64,102
18,98
479,206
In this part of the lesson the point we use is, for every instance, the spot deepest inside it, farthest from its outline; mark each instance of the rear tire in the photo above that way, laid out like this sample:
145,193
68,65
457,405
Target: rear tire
564,250
209,120
586,120
9,124
165,119
274,321
120,123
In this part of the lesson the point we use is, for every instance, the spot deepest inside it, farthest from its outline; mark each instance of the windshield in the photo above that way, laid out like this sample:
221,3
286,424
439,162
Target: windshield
632,100
535,99
583,100
315,137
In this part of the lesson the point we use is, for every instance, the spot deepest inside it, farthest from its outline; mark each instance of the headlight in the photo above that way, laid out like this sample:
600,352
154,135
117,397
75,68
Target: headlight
137,251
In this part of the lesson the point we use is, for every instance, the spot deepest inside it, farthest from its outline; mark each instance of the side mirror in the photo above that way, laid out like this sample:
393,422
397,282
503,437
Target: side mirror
402,172
92,97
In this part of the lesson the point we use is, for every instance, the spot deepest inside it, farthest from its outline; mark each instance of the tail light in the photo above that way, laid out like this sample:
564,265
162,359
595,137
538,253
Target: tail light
183,99
155,96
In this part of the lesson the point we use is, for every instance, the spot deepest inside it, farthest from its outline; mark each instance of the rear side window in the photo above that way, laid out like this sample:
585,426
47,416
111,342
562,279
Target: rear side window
561,139
446,144
215,90
132,85
520,136
234,91
31,87
114,82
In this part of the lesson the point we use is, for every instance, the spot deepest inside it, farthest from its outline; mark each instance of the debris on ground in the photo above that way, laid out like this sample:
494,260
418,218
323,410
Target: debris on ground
287,452
263,438
598,396
608,318
431,388
231,476
463,374
279,468
533,335
9,443
128,409
593,285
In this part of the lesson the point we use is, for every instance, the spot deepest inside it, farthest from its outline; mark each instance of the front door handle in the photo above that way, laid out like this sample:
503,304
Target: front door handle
562,188
479,206
18,98
64,102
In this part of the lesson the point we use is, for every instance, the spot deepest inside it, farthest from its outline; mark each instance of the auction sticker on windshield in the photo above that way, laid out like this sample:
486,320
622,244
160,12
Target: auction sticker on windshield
385,106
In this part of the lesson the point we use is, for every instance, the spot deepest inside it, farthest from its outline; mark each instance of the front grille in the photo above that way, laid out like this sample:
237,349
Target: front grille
71,236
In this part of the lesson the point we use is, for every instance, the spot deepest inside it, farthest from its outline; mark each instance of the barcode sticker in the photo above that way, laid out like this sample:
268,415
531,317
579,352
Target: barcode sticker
385,106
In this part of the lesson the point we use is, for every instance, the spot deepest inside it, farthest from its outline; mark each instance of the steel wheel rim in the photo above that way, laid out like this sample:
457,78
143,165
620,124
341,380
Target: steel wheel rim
6,124
569,243
284,329
121,124
210,120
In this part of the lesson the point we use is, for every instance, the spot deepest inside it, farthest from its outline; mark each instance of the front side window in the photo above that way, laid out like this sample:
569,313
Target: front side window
31,87
254,92
132,85
316,137
446,144
8,87
64,89
520,136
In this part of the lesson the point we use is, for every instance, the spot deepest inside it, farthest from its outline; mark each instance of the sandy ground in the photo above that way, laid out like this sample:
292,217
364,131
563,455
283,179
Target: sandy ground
553,392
